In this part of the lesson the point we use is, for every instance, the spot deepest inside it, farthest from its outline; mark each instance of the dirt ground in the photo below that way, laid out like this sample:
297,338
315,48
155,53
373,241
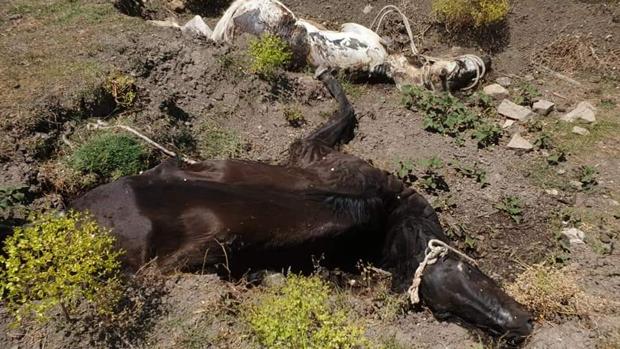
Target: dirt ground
56,53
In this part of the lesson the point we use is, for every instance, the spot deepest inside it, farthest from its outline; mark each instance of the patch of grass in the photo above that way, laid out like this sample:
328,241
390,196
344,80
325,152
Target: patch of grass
215,142
300,315
268,54
294,116
607,103
58,260
110,155
466,13
550,293
63,12
122,88
512,206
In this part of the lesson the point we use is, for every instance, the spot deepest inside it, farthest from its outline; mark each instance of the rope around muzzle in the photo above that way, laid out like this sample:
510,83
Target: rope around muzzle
435,250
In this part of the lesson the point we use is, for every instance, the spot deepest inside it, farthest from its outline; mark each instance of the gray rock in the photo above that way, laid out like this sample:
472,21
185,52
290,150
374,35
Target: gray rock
504,81
528,77
543,107
496,91
552,192
274,280
580,131
514,111
573,235
367,9
508,123
518,142
576,184
584,111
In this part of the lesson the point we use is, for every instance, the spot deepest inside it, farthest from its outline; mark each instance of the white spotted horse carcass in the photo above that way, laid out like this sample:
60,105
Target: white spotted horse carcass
353,48
251,216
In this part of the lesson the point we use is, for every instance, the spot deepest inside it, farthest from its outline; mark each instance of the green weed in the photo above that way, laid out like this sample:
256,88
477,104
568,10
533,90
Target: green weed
294,116
58,260
475,172
465,13
122,88
512,206
587,176
110,155
487,134
299,315
268,54
431,180
525,94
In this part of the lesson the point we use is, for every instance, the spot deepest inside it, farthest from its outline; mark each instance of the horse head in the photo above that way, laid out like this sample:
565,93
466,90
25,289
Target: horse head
451,287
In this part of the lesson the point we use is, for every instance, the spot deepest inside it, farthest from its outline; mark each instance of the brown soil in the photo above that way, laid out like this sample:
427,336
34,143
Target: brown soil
52,65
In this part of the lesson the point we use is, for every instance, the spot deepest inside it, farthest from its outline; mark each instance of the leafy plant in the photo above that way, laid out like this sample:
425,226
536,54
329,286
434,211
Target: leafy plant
404,171
486,134
268,54
122,88
512,206
543,141
465,13
526,93
475,172
294,116
58,260
300,315
110,155
443,113
587,177
12,196
431,180
557,156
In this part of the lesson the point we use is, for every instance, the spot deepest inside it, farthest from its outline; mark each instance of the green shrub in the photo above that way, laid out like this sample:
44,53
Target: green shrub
299,315
294,116
476,13
110,155
525,94
431,180
475,172
268,54
122,88
215,142
587,177
58,260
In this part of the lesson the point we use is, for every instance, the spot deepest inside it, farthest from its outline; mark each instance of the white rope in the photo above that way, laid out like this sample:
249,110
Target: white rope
426,60
435,250
381,16
103,126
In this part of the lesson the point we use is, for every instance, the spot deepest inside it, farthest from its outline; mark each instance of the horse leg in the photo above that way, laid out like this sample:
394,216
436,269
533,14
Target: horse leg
339,129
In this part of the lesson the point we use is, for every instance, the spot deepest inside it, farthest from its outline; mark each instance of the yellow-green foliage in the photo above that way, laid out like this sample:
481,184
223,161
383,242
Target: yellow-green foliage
299,315
549,292
58,260
216,142
123,88
268,54
477,13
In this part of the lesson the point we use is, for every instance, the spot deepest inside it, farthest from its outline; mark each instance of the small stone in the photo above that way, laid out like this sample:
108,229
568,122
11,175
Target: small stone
496,91
552,192
613,202
561,171
518,142
176,5
274,280
504,81
575,184
508,123
580,131
543,107
584,111
573,235
528,77
367,9
514,111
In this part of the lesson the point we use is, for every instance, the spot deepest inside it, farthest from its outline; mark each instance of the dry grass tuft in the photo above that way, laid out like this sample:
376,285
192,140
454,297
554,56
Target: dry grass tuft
550,293
577,53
